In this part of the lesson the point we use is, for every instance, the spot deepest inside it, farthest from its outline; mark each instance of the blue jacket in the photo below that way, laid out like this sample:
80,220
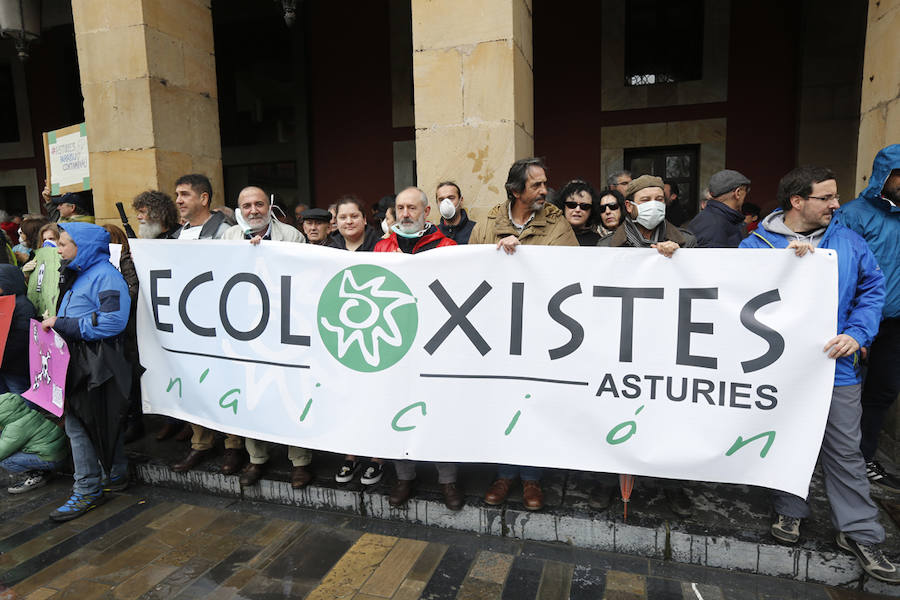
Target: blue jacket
873,217
717,226
860,289
97,303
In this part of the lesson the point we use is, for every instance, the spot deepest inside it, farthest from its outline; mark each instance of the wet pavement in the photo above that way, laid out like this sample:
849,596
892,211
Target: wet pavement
152,542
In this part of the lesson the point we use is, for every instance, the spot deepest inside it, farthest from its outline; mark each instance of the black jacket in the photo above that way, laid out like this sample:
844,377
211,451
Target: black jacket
462,231
718,226
371,237
15,355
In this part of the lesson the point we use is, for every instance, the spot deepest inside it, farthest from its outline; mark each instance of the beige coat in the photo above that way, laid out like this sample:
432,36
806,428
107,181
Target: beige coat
548,228
280,233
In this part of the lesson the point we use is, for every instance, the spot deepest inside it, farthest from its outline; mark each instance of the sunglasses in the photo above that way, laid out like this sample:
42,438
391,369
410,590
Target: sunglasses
608,207
583,206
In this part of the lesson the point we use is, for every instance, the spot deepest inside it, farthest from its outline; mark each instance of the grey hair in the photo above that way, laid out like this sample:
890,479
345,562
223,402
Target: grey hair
423,197
611,180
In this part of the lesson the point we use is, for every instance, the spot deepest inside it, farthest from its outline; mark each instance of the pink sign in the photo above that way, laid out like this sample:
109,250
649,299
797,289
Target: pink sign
48,361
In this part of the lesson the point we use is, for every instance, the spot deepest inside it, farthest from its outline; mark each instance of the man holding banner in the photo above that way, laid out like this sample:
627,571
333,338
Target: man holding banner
256,224
411,234
808,199
525,218
193,195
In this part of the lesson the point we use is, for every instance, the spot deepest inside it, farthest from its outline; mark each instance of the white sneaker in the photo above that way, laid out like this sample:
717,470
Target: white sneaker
786,529
32,480
871,559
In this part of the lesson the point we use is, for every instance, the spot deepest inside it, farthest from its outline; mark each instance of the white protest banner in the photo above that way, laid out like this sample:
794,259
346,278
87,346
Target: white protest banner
707,366
67,159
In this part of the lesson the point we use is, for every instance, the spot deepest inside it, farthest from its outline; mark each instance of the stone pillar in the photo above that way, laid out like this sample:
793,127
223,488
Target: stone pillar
879,110
148,78
473,88
879,125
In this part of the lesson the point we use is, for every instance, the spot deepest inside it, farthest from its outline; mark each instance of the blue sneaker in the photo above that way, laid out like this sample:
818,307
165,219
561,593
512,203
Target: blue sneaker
115,484
76,506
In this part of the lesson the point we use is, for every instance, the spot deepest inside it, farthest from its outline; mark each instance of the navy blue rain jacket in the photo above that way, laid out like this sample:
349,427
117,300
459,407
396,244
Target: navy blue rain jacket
873,217
96,305
860,289
717,226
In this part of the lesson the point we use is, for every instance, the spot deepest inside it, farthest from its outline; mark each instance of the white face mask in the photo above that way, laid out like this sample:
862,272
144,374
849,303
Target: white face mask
448,210
384,226
650,214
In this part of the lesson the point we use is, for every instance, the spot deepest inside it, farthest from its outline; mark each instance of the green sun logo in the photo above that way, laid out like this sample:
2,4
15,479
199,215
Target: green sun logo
367,318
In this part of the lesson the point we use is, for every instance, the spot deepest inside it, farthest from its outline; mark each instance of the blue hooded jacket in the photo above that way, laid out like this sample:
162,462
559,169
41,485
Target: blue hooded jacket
96,306
873,217
860,288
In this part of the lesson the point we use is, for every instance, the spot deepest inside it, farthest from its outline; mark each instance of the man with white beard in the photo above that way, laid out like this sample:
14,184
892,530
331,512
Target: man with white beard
156,214
255,223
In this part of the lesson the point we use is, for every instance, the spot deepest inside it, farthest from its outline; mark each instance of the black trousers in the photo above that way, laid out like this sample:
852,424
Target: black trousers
882,384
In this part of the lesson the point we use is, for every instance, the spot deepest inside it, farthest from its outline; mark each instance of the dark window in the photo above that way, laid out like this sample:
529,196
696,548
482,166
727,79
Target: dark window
677,163
9,119
663,41
14,200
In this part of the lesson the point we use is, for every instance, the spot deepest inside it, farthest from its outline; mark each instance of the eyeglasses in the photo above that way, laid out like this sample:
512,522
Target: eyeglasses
583,206
827,198
609,207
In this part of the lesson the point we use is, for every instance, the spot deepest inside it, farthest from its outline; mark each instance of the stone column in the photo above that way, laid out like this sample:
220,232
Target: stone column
879,125
148,77
879,110
473,88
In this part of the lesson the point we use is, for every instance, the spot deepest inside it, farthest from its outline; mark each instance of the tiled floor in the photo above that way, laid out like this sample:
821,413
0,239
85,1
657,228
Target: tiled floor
154,543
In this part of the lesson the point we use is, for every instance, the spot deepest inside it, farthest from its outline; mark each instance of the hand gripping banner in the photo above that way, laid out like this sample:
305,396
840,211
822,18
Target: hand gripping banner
707,366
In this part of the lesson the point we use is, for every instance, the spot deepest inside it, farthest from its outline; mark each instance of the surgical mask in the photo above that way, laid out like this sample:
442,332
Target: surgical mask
447,209
650,214
384,226
396,229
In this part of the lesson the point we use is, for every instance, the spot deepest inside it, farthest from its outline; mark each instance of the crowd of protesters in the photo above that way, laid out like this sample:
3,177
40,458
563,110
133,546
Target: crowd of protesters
67,281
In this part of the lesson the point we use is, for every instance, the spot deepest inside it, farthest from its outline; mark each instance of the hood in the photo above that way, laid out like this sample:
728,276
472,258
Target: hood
775,223
92,241
887,159
11,280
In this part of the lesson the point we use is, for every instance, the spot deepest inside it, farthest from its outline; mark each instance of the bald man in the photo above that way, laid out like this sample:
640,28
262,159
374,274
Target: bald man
255,222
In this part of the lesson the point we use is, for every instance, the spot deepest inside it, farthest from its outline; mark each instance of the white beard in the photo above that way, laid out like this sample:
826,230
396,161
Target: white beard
149,231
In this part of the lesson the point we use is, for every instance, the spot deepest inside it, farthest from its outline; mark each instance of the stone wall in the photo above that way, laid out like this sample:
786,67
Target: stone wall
473,82
879,109
150,102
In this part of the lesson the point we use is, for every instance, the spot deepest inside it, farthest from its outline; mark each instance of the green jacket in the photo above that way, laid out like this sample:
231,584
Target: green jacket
23,429
43,283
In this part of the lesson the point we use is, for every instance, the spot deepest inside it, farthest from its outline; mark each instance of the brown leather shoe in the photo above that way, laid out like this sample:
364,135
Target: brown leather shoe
532,496
300,476
186,433
193,458
498,491
234,460
400,492
453,498
251,474
166,431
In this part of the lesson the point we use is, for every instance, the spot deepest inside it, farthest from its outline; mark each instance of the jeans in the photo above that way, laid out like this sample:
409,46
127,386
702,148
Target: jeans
513,471
13,383
88,472
21,462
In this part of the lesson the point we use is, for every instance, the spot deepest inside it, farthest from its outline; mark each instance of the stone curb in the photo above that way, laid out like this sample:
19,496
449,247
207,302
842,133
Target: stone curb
836,568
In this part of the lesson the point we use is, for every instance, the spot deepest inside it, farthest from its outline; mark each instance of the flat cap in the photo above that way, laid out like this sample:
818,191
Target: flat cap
644,181
725,181
316,214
